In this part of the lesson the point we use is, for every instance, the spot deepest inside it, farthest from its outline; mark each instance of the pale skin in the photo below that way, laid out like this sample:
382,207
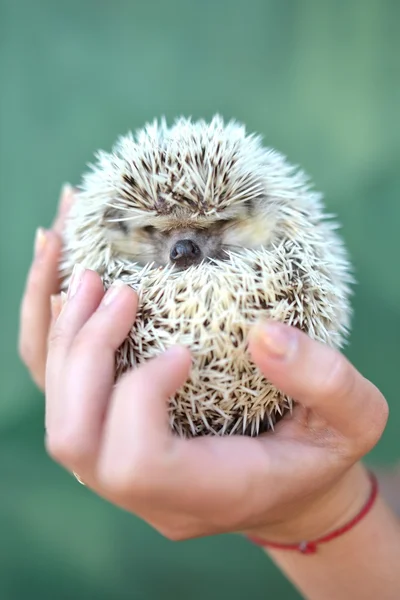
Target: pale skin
299,483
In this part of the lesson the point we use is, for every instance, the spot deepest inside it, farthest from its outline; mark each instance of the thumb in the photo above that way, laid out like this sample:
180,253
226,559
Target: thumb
319,378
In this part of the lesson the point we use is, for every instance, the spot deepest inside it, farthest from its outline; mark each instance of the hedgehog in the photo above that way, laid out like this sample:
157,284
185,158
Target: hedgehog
214,231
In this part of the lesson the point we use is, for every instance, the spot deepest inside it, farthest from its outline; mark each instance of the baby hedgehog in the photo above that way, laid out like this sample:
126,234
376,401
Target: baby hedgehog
214,231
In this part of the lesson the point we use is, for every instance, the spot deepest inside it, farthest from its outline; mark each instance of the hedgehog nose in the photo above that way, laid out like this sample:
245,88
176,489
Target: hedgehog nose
185,253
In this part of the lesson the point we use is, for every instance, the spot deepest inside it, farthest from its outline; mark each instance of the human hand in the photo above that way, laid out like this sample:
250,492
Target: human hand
41,286
296,483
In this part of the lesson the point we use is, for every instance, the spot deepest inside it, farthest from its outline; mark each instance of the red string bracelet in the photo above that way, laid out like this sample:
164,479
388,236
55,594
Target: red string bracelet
310,547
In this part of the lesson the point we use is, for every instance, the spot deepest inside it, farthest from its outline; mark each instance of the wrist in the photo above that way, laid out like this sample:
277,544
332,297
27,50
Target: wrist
330,511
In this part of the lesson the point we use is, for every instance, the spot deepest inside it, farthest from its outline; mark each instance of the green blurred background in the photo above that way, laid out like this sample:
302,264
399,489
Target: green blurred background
320,80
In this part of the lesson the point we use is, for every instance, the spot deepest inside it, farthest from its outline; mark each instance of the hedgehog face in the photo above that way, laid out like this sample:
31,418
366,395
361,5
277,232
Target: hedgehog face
184,240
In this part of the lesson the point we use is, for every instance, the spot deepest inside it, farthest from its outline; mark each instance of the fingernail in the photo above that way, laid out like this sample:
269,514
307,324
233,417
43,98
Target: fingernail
276,339
176,352
67,195
113,292
76,278
40,241
63,299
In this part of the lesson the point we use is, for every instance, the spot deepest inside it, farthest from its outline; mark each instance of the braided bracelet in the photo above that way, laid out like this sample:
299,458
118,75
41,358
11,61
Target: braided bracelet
310,547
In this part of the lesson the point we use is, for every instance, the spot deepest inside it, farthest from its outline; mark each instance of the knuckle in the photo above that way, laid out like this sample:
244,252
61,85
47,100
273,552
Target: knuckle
55,447
25,351
378,420
93,336
339,381
84,343
66,447
373,424
39,378
381,415
175,533
35,281
127,478
113,482
56,335
383,411
32,358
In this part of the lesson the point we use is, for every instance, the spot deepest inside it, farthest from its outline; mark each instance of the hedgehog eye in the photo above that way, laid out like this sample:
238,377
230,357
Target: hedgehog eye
112,220
149,229
225,222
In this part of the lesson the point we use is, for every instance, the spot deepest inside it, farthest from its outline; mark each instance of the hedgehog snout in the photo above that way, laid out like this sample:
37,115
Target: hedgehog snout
185,253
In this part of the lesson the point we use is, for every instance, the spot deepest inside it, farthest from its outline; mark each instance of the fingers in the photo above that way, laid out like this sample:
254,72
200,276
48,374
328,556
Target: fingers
321,379
137,429
89,331
66,200
120,443
42,283
84,296
35,314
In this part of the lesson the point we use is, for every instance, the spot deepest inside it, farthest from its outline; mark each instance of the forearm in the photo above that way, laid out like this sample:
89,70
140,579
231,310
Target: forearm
363,563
